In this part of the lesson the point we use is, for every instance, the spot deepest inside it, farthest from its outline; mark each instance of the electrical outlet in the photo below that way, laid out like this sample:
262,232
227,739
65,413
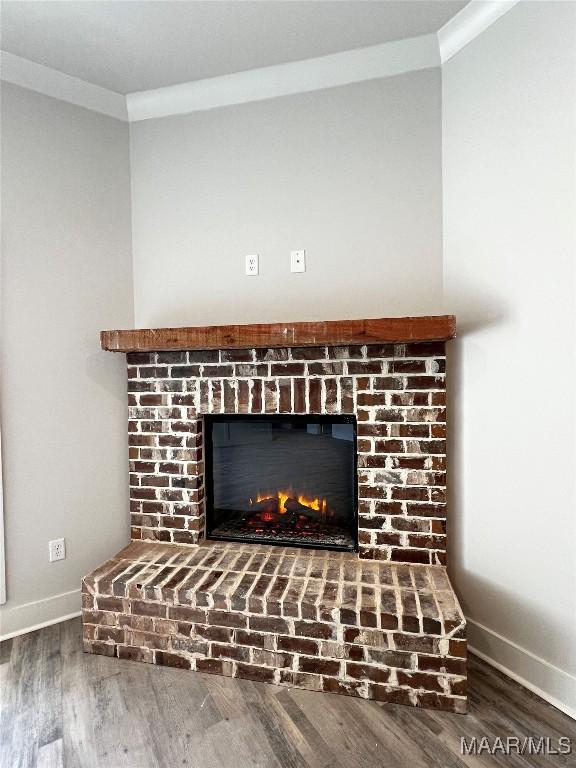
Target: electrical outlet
57,549
252,264
298,261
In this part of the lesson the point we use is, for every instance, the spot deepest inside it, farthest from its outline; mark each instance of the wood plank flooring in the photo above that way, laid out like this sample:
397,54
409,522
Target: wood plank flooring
61,707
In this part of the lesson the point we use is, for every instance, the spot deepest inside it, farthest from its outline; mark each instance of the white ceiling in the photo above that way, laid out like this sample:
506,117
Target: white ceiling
134,45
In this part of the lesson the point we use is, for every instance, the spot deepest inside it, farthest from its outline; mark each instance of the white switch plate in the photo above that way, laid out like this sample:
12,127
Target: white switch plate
252,264
57,549
298,261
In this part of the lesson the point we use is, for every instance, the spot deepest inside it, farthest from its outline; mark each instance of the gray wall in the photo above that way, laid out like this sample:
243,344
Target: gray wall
509,130
351,174
66,274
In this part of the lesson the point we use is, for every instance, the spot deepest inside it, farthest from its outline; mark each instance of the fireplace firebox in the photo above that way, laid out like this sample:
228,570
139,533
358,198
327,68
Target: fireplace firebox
287,480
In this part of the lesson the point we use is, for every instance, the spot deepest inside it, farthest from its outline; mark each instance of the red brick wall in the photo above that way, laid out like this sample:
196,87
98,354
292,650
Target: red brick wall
397,393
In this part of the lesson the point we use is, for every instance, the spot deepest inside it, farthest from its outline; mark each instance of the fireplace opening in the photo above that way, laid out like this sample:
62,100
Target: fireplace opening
288,480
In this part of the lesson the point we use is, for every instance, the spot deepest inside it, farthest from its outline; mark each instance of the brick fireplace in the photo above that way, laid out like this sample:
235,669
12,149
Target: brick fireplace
207,408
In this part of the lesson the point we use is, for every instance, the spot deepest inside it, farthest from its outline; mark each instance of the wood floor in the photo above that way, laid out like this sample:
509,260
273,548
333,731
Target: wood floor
61,707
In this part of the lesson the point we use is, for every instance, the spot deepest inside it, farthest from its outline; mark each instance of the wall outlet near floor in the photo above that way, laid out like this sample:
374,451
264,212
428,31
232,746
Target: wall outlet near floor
298,261
57,549
252,264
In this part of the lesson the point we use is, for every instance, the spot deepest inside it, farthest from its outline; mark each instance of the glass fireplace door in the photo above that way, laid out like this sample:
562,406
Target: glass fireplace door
287,480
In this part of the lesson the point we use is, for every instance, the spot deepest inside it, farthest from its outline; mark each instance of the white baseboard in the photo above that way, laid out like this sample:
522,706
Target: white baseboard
29,617
554,685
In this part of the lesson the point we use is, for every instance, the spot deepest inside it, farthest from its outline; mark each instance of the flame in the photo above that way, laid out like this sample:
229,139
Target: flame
317,503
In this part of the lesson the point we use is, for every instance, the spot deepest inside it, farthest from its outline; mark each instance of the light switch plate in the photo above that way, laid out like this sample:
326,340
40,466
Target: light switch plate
298,261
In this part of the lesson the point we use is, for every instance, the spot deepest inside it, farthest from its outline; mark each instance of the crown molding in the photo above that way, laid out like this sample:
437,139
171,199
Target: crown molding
370,63
470,22
50,82
376,61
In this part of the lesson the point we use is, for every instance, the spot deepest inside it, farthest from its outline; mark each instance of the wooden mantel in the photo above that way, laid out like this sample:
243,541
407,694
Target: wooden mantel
334,332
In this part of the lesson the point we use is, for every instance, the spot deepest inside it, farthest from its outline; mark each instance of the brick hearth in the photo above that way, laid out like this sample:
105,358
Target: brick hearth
382,623
319,620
